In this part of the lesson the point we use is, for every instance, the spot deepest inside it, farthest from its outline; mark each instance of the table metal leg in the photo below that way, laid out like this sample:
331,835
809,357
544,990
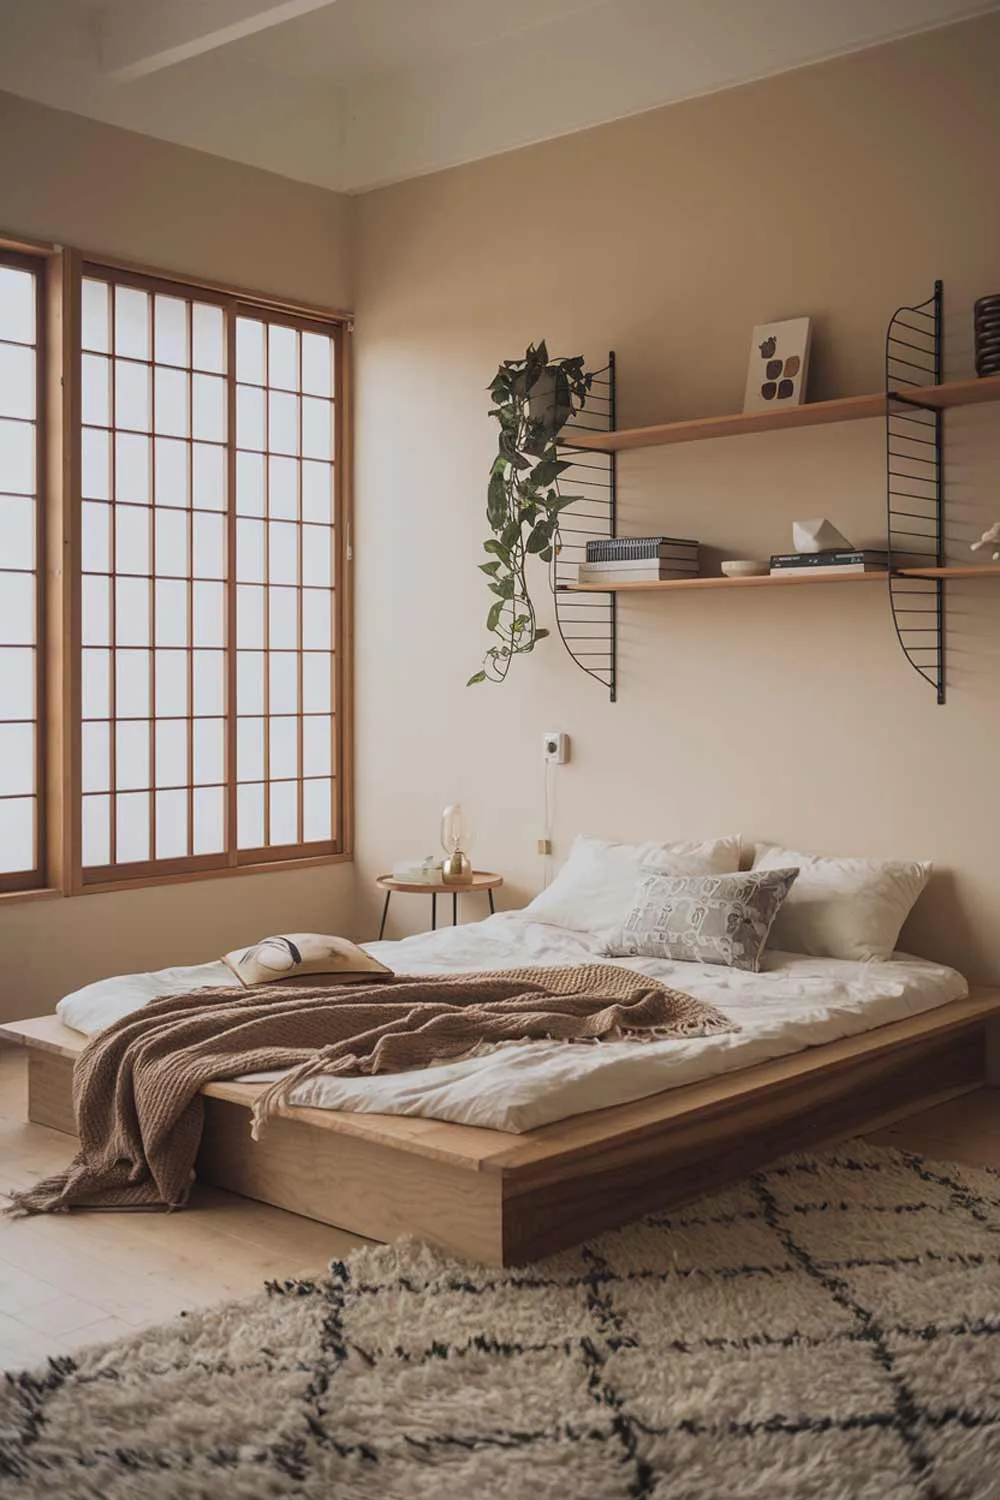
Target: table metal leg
385,913
492,907
454,908
434,911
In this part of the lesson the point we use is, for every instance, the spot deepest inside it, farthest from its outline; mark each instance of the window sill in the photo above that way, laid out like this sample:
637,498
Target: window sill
265,867
46,893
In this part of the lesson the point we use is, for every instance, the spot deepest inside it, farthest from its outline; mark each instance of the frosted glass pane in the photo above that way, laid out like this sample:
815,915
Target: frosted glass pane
249,417
132,810
283,357
317,492
17,533
209,545
96,610
17,681
132,527
317,428
17,609
17,381
317,364
209,341
209,614
171,612
132,464
209,682
317,555
250,350
249,551
283,488
317,619
131,755
209,820
284,813
17,835
96,758
249,484
209,752
96,831
95,394
132,612
284,747
172,543
317,676
95,536
172,752
250,616
171,825
283,429
96,322
17,457
209,410
172,484
170,324
317,804
172,396
96,464
283,619
250,682
17,759
171,691
317,746
17,305
96,684
132,405
283,682
131,322
209,476
250,816
283,552
249,749
132,684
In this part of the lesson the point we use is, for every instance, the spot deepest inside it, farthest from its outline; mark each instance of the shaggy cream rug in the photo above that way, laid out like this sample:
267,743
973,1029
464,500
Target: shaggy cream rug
828,1330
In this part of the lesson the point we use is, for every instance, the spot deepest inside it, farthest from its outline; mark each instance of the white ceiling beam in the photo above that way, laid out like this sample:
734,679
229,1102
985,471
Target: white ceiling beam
139,37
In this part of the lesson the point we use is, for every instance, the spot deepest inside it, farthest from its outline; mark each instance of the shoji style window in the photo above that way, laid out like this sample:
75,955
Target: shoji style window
210,729
21,646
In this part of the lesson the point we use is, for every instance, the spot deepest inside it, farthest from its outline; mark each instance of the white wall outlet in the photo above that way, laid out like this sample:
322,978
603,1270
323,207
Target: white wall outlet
555,747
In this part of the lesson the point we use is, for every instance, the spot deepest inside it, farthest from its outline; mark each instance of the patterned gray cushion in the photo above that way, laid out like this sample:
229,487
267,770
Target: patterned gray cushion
708,919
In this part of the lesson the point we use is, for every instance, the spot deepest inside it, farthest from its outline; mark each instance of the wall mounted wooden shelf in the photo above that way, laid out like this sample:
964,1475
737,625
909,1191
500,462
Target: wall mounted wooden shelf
812,414
781,580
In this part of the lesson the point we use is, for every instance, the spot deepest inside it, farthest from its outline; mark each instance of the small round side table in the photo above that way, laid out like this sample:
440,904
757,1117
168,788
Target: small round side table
482,880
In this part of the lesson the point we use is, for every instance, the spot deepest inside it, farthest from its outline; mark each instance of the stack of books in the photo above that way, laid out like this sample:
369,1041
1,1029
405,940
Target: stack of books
856,560
639,559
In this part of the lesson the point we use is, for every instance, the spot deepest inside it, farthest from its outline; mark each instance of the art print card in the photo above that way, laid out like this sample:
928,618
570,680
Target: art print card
779,364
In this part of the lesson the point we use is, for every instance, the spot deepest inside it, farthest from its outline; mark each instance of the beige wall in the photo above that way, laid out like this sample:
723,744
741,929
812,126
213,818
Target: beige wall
108,190
839,191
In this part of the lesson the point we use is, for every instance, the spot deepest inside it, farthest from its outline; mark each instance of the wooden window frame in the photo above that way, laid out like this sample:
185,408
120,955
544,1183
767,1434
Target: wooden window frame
233,861
59,573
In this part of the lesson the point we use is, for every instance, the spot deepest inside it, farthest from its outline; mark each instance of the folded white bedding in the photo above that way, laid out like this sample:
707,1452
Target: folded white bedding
795,1002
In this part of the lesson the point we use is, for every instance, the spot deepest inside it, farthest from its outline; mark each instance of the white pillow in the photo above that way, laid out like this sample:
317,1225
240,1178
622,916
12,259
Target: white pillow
594,890
842,908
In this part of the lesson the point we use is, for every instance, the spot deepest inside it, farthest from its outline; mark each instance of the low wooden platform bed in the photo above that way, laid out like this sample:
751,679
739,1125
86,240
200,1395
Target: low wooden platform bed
505,1198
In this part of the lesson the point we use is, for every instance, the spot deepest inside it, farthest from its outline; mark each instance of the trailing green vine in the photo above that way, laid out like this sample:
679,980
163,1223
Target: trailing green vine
533,399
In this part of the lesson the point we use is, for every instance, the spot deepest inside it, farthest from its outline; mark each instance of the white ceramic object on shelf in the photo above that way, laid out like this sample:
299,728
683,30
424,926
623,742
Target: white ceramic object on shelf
819,535
745,567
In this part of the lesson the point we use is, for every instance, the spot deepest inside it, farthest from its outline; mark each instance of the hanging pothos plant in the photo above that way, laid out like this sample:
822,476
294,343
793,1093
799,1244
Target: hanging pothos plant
534,398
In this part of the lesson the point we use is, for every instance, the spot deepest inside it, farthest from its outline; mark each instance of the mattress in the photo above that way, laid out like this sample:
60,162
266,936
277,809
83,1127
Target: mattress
795,1002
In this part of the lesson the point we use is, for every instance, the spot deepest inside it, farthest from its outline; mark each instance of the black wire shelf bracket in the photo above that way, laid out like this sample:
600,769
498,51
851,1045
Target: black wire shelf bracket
588,623
915,484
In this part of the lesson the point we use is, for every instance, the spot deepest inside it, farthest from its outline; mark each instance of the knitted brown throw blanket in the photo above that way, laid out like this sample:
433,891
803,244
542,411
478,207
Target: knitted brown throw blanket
136,1086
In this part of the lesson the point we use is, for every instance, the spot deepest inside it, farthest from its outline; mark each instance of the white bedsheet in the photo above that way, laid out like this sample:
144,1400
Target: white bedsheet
795,1002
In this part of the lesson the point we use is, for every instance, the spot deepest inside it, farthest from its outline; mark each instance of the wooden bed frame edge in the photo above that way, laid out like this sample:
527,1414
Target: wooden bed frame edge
506,1199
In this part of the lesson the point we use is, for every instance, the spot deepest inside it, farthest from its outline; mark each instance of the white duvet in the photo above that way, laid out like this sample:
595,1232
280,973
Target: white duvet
795,1002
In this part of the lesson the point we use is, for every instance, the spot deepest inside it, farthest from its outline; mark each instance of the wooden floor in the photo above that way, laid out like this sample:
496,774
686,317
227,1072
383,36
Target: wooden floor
67,1281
